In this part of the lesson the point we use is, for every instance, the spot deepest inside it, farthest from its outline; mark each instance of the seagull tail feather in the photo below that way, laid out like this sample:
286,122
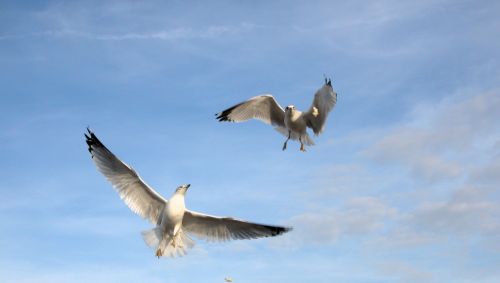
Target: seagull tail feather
169,247
152,237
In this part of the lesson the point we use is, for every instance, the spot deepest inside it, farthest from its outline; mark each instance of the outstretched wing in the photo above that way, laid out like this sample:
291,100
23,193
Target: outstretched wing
262,107
140,197
214,228
324,101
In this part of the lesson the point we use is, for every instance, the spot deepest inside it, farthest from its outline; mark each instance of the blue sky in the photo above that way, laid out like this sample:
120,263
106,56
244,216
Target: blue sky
403,186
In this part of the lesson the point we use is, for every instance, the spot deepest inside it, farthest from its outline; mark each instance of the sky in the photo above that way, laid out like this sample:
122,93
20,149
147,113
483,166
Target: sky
403,185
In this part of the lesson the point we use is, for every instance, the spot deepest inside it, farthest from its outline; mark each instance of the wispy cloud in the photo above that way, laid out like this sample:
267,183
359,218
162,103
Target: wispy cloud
357,217
469,211
435,144
180,33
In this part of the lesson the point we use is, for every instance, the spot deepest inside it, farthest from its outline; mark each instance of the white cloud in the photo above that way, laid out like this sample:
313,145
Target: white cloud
359,216
468,212
443,141
452,142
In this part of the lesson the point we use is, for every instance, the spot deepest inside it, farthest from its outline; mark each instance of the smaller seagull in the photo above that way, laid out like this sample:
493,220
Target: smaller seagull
172,219
228,279
290,122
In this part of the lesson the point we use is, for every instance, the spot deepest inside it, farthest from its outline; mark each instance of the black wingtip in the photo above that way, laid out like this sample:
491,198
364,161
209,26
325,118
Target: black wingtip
277,230
224,115
285,230
220,116
92,141
89,140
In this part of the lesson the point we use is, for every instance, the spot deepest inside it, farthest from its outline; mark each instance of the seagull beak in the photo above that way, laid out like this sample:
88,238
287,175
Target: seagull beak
187,186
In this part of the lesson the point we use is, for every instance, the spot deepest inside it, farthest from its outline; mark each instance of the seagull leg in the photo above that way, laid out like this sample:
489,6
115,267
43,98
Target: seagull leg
159,250
289,134
301,145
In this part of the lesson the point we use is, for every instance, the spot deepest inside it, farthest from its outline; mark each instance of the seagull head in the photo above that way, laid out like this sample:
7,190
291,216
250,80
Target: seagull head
182,189
289,108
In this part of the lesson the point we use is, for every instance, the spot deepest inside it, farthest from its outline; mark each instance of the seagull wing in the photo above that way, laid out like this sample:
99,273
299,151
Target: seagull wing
324,101
140,197
214,228
262,107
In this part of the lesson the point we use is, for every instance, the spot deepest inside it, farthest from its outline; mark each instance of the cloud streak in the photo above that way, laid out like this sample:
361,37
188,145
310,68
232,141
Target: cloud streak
180,33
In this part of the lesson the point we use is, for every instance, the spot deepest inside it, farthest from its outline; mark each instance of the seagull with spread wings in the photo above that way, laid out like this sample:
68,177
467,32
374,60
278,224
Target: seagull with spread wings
174,222
290,122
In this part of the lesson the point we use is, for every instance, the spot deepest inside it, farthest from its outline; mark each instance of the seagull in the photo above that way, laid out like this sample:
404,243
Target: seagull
174,222
228,279
290,122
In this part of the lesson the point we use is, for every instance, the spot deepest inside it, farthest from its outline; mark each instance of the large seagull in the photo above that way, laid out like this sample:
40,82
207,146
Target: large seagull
174,222
290,122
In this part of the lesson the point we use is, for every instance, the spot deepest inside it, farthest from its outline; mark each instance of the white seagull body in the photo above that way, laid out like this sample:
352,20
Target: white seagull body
173,221
290,122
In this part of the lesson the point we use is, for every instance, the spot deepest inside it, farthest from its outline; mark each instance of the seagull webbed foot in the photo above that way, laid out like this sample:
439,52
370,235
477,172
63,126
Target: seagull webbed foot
302,148
159,253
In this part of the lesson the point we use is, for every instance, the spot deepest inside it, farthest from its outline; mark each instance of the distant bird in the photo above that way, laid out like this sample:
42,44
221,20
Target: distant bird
228,279
173,221
290,122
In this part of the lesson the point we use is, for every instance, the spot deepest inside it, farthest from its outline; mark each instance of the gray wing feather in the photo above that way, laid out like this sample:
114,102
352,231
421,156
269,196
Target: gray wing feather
214,228
324,101
262,107
138,196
